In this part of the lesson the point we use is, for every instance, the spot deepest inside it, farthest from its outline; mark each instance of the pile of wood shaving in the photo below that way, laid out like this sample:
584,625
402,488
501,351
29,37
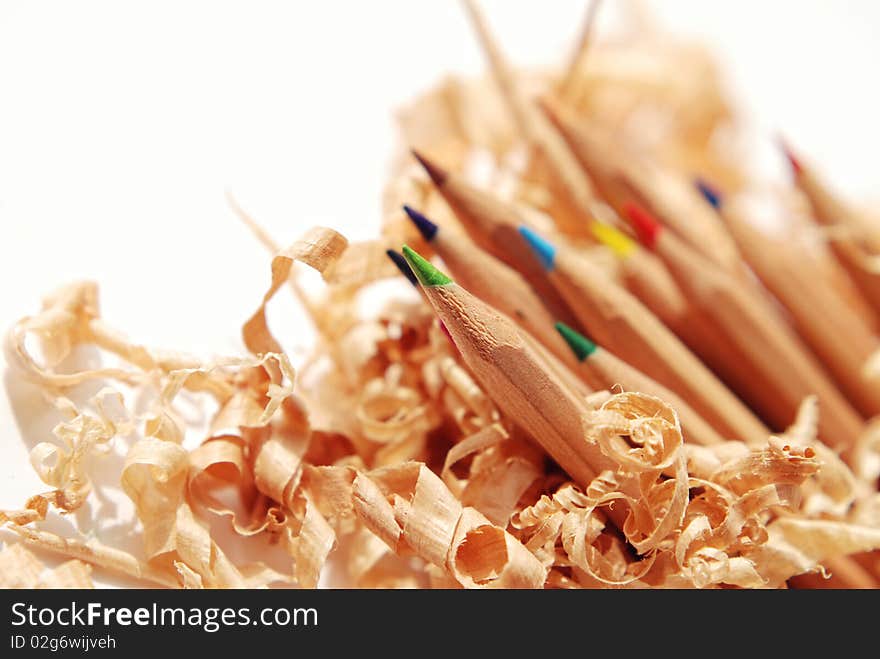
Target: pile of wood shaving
383,454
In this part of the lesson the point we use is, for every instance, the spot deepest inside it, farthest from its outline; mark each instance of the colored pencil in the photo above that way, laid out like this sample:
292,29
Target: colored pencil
493,225
618,320
644,275
579,53
400,261
831,211
493,282
643,271
770,350
560,367
832,330
670,198
513,374
607,371
569,181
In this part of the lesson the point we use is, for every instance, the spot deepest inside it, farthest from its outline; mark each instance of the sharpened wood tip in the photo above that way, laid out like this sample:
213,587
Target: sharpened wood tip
398,260
544,250
436,172
580,345
428,275
646,226
710,193
427,228
793,161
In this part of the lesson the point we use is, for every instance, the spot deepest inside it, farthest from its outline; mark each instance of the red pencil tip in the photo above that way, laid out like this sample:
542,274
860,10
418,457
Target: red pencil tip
436,172
646,226
792,159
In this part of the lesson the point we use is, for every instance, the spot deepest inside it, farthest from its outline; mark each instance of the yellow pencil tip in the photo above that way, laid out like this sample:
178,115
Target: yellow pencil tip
614,239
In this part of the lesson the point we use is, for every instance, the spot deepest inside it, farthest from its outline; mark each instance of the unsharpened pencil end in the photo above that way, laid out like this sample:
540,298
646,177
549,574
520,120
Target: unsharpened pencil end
580,345
398,260
427,228
646,226
544,250
427,274
436,172
709,192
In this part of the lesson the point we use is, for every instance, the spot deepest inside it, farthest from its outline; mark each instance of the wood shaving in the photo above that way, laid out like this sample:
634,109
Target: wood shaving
383,457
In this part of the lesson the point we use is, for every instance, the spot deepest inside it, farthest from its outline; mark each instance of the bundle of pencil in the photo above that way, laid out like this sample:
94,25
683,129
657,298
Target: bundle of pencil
785,369
602,373
737,332
855,240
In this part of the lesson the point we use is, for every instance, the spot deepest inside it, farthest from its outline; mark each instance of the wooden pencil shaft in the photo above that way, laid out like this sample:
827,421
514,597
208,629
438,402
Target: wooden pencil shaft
609,371
867,282
679,206
770,351
534,127
500,286
827,324
650,281
730,364
623,180
646,277
518,380
827,266
579,53
616,319
830,211
565,373
845,573
501,72
493,225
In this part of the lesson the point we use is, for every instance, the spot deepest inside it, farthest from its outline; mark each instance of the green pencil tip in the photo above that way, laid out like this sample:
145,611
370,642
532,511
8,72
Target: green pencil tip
428,275
579,344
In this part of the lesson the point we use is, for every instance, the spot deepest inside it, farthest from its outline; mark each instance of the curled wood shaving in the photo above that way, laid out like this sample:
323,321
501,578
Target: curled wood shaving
383,455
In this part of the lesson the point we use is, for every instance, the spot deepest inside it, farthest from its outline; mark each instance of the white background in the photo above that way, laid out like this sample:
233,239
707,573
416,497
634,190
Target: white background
122,123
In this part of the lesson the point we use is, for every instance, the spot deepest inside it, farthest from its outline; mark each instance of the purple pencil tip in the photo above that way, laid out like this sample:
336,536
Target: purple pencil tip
427,228
403,266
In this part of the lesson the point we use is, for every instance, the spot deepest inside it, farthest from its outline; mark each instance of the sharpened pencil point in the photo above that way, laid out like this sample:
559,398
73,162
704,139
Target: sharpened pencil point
793,161
709,192
428,275
427,228
646,226
403,266
544,250
617,241
579,344
436,172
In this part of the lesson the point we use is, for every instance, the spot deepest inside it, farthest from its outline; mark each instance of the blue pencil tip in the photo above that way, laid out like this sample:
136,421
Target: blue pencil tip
709,193
427,228
545,251
400,261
